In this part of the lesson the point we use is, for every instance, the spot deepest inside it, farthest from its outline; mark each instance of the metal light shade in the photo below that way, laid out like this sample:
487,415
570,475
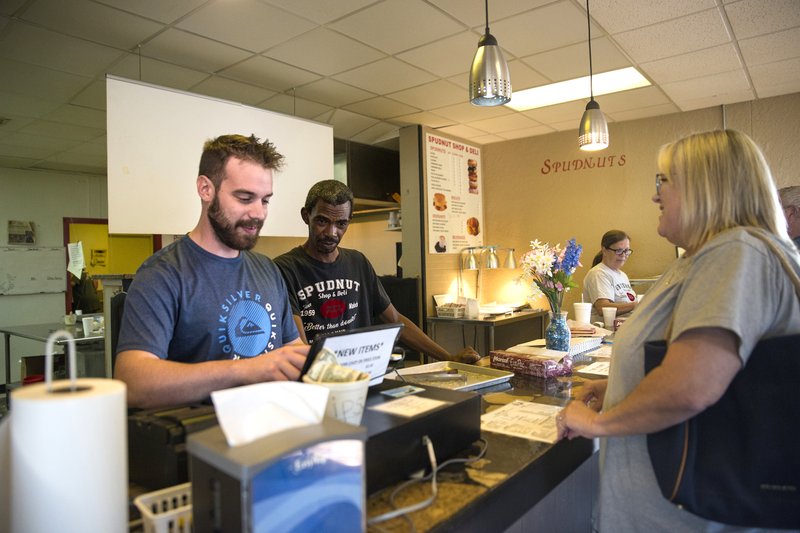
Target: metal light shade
471,262
491,259
511,261
489,81
593,132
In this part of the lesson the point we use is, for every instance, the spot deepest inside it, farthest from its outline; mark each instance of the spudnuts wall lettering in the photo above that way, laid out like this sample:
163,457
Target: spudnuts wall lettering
587,163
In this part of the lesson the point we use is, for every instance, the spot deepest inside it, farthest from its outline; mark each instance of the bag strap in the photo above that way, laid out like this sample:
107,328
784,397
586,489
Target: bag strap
779,253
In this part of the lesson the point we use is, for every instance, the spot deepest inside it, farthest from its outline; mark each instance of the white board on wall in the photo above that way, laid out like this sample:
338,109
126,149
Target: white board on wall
155,139
32,270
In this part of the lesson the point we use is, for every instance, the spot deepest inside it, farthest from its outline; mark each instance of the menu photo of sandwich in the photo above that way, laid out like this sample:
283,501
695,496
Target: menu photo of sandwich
473,226
439,201
472,175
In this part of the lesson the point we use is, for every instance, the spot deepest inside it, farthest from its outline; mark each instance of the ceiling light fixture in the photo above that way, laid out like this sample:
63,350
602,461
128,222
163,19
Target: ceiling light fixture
489,81
593,131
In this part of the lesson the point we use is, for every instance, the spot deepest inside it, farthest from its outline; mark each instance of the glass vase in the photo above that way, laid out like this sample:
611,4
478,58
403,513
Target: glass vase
557,334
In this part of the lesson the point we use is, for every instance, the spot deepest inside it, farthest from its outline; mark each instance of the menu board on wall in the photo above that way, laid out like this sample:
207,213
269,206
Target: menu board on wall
455,210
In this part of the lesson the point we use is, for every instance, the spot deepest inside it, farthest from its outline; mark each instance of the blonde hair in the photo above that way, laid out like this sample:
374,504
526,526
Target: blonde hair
724,182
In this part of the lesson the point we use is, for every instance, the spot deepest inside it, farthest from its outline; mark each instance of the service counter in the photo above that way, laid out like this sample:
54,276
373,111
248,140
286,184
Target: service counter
519,485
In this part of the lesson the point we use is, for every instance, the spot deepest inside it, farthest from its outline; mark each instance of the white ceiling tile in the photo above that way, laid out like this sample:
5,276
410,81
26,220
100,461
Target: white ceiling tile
573,61
62,130
267,72
772,47
635,98
324,51
14,122
723,88
188,50
385,75
560,112
432,95
37,82
231,90
526,132
376,133
346,124
780,74
446,57
91,21
42,142
382,108
513,121
713,60
473,13
522,76
157,9
247,24
675,37
546,28
332,92
466,112
13,105
397,25
88,154
156,72
50,164
9,7
621,15
320,12
460,130
288,105
425,118
757,17
94,96
643,112
25,43
81,116
489,139
31,153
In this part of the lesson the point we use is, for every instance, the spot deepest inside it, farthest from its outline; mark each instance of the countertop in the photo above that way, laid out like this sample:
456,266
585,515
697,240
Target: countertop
514,474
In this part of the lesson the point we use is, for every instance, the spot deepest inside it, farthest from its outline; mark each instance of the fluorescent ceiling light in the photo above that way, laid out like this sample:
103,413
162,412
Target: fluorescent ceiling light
578,89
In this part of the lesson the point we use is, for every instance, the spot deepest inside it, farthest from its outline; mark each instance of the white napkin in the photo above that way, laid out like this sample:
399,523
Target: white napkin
251,412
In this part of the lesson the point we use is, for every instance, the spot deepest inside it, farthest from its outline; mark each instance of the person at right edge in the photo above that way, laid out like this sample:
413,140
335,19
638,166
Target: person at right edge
790,202
606,285
726,293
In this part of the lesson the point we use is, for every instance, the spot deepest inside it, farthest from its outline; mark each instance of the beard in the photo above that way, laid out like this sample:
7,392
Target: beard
226,230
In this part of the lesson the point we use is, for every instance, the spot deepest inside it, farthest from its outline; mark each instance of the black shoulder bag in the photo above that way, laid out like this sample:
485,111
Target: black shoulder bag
738,462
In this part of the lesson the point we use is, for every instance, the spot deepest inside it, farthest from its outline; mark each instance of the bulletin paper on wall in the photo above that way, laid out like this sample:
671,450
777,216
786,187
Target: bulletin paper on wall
455,192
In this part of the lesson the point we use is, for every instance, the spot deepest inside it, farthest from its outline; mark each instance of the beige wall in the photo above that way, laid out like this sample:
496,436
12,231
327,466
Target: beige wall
523,200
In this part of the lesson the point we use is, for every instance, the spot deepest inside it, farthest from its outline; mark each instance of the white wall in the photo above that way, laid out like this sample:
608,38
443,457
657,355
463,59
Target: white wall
44,198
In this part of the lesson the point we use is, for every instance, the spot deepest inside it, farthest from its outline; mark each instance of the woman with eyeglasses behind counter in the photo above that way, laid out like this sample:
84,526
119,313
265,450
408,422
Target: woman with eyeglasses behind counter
606,285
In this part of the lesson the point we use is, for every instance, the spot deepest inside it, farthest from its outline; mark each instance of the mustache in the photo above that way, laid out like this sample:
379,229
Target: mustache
252,223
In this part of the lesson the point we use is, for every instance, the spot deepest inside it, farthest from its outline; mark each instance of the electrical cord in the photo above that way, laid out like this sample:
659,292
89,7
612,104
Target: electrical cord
432,475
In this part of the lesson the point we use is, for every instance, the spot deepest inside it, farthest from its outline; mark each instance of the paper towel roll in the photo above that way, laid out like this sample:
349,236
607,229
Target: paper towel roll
69,457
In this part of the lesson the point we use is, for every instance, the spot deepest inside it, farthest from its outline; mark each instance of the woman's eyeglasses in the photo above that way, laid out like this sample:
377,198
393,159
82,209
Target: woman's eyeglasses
621,251
660,178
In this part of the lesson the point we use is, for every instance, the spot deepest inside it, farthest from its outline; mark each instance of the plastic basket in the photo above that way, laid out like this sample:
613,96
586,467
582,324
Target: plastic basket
450,311
167,510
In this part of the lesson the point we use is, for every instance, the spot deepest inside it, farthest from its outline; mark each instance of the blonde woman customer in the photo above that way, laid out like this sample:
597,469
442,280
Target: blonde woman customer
606,285
726,293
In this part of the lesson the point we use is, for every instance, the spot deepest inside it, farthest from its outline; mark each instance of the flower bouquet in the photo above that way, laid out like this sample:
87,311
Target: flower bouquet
550,271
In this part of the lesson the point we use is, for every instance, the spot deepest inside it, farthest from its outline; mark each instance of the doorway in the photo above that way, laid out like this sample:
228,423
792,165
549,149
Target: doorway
106,254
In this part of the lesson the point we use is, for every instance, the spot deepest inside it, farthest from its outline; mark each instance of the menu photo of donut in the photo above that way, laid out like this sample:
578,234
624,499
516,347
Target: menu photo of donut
473,226
439,201
472,175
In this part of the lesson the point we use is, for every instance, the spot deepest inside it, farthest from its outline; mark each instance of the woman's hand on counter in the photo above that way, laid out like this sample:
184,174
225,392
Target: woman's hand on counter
592,393
576,420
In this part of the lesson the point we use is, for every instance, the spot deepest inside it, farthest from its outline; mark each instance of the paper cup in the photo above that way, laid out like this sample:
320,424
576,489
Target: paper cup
346,399
583,312
609,313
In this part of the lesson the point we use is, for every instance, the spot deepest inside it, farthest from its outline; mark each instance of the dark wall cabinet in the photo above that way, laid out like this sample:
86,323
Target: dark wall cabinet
372,172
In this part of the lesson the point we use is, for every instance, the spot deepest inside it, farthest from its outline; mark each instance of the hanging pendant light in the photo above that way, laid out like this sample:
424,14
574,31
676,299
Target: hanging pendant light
489,81
593,131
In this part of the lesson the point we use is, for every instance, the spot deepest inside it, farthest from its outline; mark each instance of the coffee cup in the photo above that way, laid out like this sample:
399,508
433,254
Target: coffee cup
609,314
583,312
346,399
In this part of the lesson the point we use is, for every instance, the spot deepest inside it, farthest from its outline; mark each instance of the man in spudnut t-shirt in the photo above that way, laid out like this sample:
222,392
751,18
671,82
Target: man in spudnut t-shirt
335,289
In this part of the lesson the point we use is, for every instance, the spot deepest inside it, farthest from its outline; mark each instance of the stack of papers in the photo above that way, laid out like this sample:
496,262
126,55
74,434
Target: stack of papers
577,345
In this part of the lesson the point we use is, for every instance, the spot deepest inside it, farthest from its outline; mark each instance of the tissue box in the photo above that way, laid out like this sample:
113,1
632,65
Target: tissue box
531,365
309,478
